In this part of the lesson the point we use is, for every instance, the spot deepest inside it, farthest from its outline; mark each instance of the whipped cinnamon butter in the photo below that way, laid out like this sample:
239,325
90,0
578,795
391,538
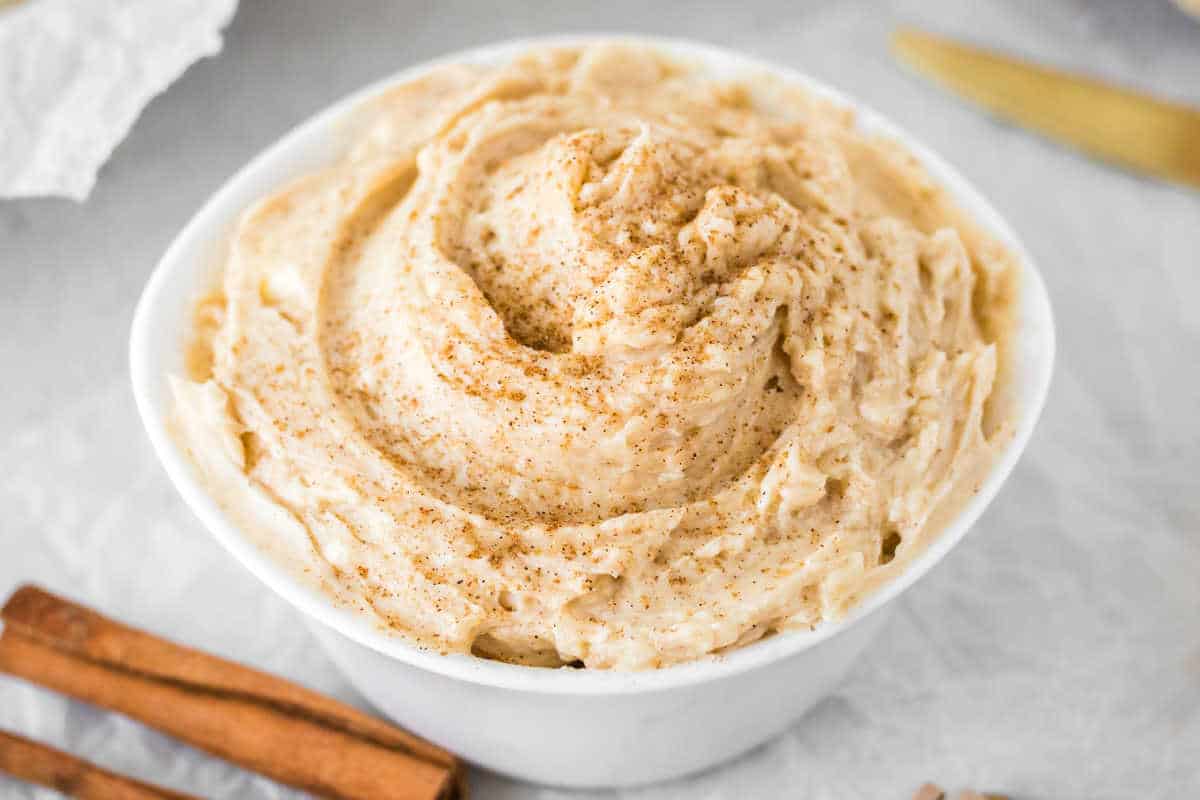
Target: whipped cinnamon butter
592,359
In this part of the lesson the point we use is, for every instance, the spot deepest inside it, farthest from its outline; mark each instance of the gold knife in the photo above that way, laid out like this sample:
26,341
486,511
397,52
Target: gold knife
1117,125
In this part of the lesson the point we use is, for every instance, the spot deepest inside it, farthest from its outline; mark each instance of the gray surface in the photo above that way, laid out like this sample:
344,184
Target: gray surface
1056,654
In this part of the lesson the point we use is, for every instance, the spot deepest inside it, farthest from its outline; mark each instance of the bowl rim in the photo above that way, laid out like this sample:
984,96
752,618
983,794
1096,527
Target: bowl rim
272,166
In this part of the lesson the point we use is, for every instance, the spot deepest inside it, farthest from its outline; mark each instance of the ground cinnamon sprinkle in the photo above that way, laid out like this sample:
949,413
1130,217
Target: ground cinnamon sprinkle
647,334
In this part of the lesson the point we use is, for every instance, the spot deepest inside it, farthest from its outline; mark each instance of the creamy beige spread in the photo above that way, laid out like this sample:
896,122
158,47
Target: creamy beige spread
591,359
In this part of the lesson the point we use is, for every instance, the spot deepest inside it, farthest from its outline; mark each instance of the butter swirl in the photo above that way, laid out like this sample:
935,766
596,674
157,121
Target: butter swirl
591,359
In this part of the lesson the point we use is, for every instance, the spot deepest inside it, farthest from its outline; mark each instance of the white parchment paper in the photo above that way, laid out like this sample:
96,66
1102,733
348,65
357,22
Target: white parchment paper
75,75
1054,655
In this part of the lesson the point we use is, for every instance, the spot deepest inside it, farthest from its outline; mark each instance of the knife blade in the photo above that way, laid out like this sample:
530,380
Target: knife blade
1116,125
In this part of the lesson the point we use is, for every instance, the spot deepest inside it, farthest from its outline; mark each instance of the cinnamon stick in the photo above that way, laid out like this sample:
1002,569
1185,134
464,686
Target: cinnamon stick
36,763
259,721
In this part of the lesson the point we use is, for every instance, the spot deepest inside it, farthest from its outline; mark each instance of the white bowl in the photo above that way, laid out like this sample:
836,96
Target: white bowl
579,728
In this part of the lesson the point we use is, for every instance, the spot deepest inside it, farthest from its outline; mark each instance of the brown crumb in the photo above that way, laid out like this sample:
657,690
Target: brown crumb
929,791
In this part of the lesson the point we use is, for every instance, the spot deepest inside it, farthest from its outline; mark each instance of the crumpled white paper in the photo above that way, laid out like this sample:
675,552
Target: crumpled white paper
74,76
